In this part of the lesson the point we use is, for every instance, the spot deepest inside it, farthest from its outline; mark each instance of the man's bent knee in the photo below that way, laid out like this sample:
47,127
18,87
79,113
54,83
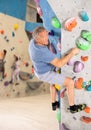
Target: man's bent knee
68,81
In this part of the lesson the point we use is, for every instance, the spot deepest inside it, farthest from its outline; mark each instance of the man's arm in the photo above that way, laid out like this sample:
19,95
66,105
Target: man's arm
61,62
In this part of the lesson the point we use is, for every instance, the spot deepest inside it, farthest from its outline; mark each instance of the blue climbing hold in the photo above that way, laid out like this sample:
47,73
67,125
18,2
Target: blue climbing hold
88,88
84,16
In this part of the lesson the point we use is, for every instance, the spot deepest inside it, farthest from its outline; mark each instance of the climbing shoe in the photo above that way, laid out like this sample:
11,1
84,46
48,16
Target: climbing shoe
55,105
77,108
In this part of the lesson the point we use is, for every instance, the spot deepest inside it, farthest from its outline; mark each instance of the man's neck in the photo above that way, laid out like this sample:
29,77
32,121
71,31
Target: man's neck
40,44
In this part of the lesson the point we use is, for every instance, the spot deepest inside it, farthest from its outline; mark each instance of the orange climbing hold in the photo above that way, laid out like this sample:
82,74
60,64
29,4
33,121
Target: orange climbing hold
5,75
70,24
2,31
86,119
87,109
84,58
79,83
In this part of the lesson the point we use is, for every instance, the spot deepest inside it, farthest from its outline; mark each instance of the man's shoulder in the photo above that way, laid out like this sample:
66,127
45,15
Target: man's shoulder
31,41
31,44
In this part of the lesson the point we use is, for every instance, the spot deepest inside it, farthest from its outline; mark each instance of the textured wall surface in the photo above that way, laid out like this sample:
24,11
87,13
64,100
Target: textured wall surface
15,8
17,42
64,10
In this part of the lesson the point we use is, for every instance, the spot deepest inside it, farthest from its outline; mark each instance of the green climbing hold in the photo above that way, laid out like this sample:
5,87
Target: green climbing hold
86,35
56,23
58,115
82,44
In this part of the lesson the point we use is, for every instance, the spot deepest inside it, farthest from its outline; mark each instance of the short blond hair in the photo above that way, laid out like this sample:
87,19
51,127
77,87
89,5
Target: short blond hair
36,32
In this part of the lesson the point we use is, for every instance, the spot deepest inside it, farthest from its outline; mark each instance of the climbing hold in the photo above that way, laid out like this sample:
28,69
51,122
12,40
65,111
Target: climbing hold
25,75
13,90
18,93
87,109
56,23
58,115
63,127
88,88
86,119
2,31
58,70
32,69
90,82
31,76
86,35
20,41
84,84
70,24
12,48
78,67
16,83
79,83
16,26
6,83
13,34
51,33
62,92
5,37
26,64
57,86
34,85
74,118
84,58
7,40
84,16
39,10
82,44
7,94
5,75
71,62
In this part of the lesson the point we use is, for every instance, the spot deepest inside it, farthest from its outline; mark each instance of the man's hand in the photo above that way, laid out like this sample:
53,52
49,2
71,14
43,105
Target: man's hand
61,62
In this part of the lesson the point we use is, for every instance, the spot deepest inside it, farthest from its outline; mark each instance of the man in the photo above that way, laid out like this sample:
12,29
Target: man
2,56
44,62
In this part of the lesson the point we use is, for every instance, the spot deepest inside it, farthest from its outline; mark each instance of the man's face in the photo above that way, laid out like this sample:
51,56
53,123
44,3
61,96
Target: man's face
43,37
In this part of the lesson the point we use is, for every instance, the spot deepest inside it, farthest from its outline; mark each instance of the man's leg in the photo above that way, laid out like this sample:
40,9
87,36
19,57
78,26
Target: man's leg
69,84
53,93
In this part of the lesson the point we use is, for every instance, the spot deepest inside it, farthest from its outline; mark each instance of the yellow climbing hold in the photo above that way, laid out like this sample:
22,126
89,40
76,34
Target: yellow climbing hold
57,86
16,26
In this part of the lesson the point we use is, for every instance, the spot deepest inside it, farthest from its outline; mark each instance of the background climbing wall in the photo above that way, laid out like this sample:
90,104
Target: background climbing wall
18,8
17,42
65,10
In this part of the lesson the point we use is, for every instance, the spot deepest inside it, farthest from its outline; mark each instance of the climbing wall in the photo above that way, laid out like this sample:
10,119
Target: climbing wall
18,8
75,17
14,39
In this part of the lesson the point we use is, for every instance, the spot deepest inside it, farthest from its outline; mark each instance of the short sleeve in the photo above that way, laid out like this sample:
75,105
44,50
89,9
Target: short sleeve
46,55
